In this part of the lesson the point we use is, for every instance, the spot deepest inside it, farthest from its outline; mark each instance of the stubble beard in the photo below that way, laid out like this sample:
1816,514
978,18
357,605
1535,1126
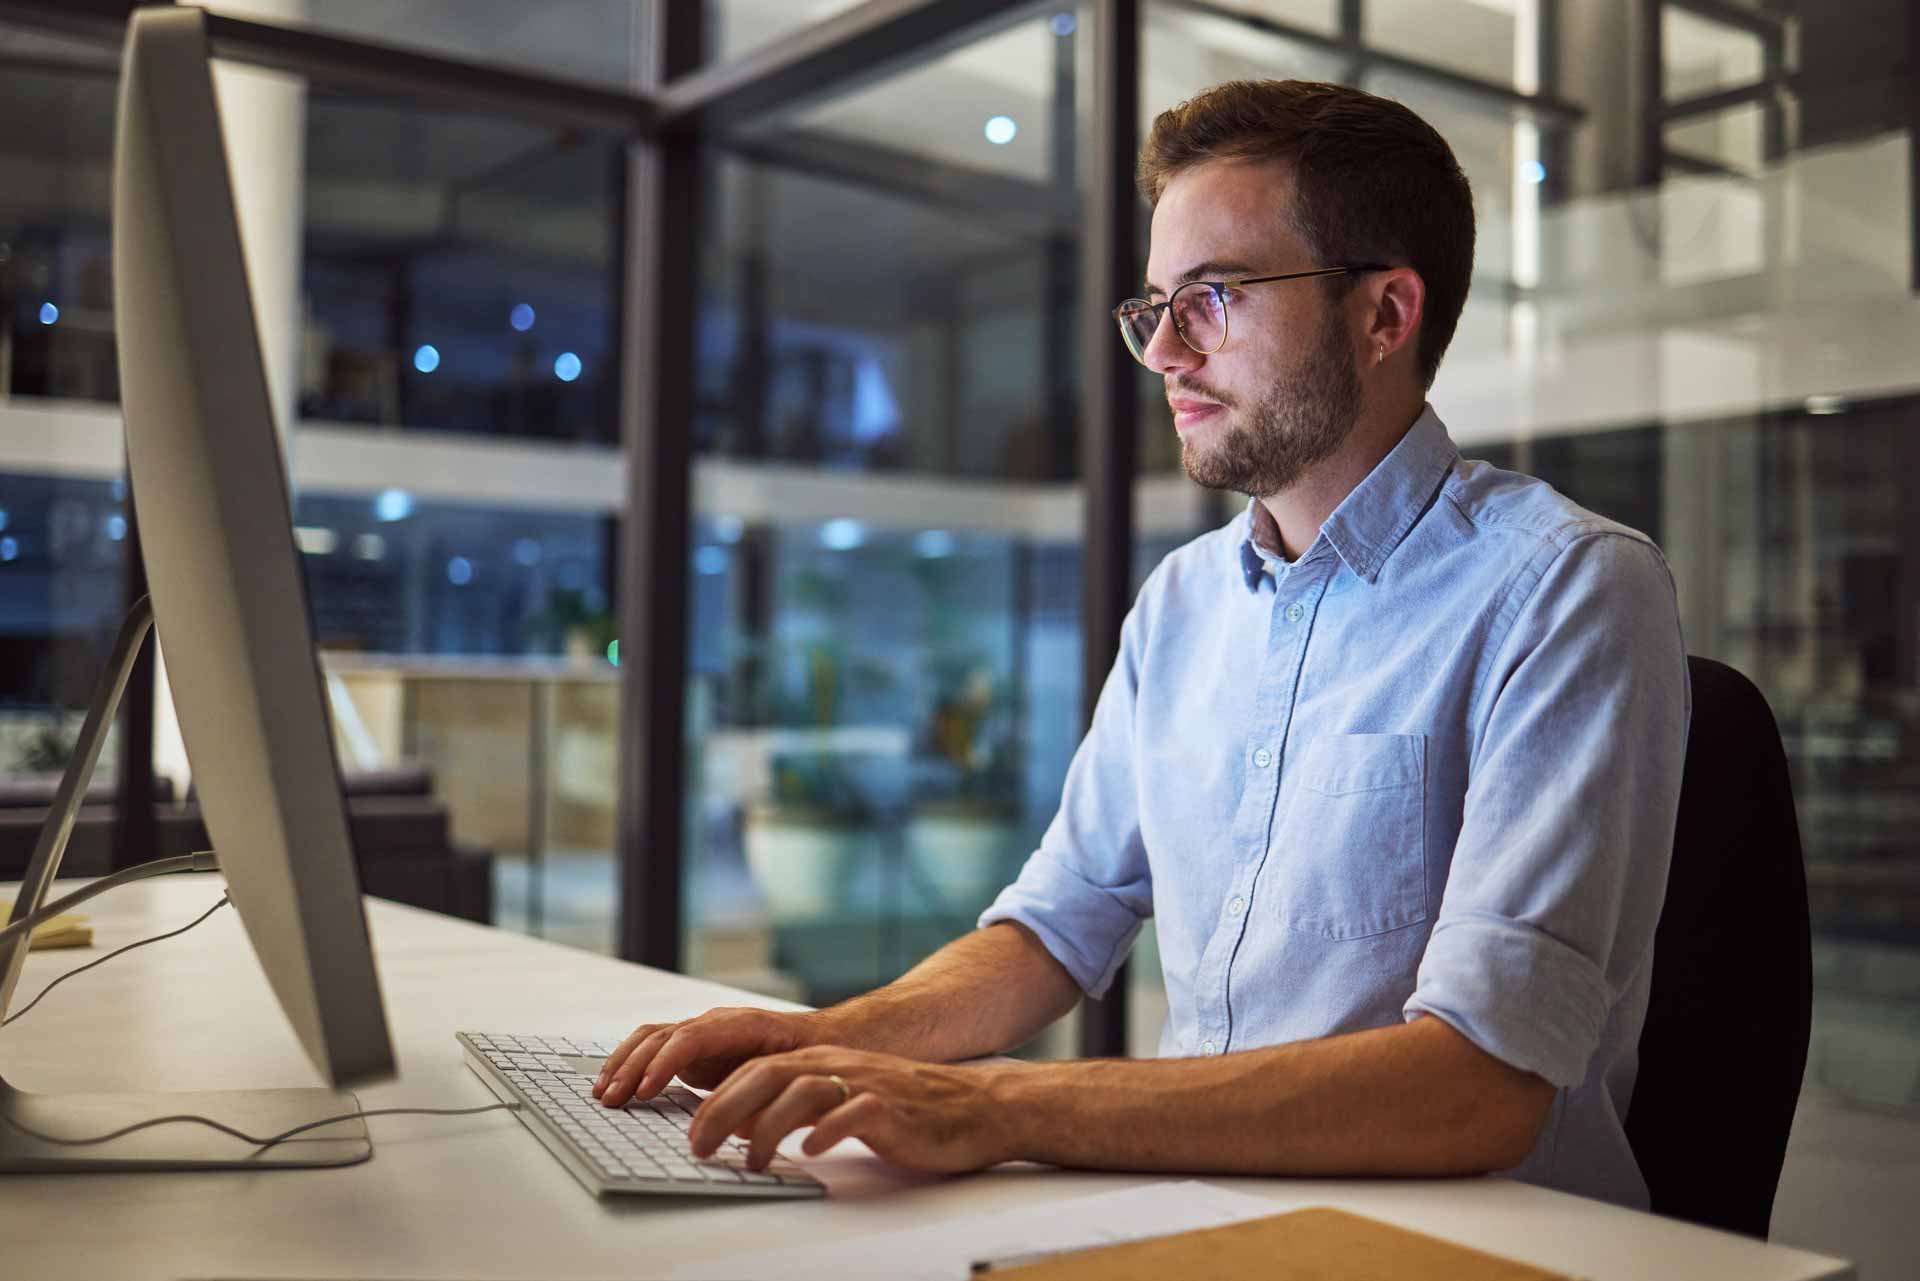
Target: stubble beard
1301,421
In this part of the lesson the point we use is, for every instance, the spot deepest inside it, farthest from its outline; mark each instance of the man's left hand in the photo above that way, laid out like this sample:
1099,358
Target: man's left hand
922,1116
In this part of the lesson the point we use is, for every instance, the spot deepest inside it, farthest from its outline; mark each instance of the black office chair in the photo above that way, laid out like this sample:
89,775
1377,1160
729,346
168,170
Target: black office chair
1725,1042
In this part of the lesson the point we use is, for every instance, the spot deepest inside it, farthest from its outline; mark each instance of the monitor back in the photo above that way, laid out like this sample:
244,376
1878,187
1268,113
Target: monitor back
210,497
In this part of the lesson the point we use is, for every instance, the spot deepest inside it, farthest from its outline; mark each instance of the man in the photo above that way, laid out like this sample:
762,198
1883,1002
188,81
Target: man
1393,758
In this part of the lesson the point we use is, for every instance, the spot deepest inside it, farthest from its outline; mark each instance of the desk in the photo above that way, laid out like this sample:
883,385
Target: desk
477,1197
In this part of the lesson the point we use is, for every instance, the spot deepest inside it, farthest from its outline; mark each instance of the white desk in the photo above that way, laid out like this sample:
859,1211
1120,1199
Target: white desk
477,1197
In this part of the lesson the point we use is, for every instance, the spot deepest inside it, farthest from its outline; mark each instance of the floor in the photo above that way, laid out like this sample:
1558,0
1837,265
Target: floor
1851,1184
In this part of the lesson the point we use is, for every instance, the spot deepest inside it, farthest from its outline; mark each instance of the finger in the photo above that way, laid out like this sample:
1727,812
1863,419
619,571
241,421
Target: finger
738,1099
676,1054
622,1085
805,1100
619,1056
856,1118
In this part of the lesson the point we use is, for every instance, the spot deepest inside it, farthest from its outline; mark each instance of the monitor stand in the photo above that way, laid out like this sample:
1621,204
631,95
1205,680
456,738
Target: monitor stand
182,1146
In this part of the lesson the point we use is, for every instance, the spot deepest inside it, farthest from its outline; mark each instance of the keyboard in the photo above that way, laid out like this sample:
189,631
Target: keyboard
637,1149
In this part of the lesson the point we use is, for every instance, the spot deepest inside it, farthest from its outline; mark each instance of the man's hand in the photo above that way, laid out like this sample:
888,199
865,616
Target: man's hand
921,1116
701,1051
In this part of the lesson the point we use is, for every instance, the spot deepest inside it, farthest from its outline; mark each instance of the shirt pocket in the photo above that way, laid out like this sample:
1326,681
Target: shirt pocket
1350,847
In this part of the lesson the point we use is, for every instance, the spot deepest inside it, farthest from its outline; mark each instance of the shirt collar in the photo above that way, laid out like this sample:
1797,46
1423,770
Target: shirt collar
1372,520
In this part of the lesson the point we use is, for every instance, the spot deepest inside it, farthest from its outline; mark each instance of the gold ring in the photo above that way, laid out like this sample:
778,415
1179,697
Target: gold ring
846,1091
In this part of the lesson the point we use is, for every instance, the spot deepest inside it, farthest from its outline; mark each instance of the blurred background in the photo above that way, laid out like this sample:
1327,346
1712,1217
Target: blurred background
1693,311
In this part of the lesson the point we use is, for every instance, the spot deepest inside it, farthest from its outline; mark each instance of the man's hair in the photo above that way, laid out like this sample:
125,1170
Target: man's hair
1373,182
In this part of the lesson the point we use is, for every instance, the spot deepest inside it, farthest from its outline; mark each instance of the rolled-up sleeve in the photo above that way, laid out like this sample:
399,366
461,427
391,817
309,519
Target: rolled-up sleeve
1085,892
1560,870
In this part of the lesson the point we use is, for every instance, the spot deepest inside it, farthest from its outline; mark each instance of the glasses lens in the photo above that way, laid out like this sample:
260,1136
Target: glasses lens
1200,313
1137,320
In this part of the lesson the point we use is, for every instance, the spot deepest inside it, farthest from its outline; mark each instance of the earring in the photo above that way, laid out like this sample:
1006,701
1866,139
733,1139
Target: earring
1380,353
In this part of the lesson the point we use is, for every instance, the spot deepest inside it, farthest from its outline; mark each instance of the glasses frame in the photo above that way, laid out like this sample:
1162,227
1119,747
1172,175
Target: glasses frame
1219,288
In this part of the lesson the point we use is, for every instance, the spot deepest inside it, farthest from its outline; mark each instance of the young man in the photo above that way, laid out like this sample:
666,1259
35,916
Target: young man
1393,758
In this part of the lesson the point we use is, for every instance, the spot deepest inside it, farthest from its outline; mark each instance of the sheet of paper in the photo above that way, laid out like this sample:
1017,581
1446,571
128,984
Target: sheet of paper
945,1251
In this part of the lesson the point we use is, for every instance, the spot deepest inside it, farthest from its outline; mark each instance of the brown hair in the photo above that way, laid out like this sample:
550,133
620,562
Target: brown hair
1373,182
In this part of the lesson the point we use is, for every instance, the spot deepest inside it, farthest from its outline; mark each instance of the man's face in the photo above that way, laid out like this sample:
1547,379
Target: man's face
1283,393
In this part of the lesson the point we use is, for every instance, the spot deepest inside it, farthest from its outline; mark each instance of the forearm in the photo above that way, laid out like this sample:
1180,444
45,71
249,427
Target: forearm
983,993
1411,1100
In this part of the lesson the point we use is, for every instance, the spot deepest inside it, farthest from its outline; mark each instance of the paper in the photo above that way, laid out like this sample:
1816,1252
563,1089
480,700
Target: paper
946,1251
58,931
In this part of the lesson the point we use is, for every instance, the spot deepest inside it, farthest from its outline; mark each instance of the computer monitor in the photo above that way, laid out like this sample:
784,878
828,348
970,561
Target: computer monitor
210,496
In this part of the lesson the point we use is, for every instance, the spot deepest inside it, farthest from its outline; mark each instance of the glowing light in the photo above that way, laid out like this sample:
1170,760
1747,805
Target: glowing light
370,547
1000,130
613,652
842,535
315,540
1533,171
933,543
393,504
526,552
1063,24
566,366
729,529
116,527
710,560
521,317
459,571
1827,404
3,518
427,359
48,313
9,549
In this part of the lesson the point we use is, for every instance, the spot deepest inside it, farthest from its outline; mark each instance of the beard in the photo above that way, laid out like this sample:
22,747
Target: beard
1300,421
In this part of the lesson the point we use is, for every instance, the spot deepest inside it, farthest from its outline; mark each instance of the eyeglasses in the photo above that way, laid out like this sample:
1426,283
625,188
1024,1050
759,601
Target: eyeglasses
1199,310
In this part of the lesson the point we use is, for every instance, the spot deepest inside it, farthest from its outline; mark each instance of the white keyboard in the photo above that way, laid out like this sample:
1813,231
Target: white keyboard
639,1148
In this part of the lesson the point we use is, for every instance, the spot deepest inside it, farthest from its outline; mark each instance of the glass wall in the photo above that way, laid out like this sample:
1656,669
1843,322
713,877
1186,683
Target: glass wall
63,512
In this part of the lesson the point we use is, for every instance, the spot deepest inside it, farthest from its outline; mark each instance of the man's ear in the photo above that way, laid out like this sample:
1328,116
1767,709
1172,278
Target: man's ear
1399,303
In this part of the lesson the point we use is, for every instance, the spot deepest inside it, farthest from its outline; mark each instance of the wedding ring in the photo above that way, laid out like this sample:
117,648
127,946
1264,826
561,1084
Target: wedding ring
846,1091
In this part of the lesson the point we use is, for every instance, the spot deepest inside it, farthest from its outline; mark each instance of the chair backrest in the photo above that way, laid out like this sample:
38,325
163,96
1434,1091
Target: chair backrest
1725,1042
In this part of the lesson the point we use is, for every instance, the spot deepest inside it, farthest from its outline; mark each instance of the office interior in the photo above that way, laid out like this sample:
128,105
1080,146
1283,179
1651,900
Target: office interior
825,332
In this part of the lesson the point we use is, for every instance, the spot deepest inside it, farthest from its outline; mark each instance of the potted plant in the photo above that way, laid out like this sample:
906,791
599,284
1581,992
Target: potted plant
964,830
813,825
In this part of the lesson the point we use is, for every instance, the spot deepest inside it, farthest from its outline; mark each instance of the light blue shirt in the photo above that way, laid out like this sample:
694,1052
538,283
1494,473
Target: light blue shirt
1430,767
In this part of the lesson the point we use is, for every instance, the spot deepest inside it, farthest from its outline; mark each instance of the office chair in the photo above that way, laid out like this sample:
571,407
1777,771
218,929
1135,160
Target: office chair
1725,1041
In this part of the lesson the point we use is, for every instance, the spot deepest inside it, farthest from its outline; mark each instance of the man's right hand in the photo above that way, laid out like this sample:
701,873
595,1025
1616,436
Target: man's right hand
701,1051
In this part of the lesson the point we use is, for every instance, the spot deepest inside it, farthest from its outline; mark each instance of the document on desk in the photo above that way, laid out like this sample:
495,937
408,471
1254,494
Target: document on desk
947,1251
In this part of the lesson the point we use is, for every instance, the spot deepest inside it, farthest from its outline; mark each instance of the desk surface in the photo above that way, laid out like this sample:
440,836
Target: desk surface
477,1197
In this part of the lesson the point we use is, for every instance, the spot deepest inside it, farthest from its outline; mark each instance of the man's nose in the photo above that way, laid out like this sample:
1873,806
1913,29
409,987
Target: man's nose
1167,351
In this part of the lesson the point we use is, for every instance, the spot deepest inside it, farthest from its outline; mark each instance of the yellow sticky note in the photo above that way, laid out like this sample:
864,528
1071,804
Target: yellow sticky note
61,931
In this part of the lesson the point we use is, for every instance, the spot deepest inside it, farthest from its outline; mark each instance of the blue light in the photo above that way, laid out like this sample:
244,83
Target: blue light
9,549
116,527
729,529
119,489
566,367
933,543
459,571
48,313
1000,130
393,504
521,317
1533,171
710,560
3,518
1063,24
613,652
526,552
842,535
427,359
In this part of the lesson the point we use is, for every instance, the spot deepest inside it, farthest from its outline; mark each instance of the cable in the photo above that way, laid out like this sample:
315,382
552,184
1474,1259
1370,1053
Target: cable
200,861
242,1135
22,1012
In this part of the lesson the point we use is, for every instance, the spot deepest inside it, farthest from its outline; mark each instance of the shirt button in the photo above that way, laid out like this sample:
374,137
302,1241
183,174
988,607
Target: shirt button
1295,612
1263,758
1206,1047
1237,905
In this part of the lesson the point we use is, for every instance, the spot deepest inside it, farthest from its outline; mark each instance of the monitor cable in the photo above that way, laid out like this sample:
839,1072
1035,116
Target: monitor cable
271,1140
